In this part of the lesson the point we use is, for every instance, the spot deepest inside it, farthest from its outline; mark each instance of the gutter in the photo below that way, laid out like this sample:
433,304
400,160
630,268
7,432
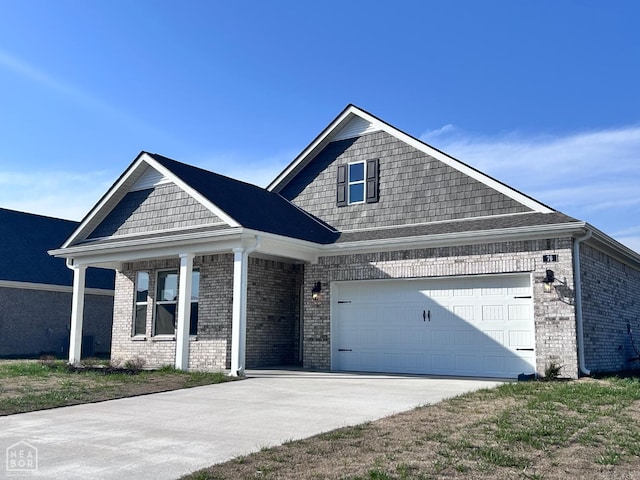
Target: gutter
578,303
455,238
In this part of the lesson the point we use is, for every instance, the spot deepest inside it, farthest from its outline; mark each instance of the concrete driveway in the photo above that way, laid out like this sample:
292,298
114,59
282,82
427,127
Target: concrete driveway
166,435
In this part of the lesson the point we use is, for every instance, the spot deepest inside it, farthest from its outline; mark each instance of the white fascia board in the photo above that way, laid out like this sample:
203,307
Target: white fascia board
121,188
610,246
285,247
458,165
314,147
99,209
45,287
326,135
453,239
195,194
200,243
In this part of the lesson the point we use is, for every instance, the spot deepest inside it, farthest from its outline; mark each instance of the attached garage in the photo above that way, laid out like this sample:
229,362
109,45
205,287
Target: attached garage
466,326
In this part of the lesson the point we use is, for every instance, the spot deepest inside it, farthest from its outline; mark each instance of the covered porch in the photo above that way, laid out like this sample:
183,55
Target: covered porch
246,278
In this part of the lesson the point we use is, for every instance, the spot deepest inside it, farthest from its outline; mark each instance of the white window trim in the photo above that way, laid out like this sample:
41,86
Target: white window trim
164,302
363,182
136,303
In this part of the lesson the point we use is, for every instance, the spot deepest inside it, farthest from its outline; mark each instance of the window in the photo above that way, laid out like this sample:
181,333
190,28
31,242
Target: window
357,183
166,299
195,298
142,296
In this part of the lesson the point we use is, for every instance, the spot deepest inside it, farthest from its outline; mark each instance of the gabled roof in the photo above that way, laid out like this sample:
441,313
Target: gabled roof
355,120
251,206
25,239
236,203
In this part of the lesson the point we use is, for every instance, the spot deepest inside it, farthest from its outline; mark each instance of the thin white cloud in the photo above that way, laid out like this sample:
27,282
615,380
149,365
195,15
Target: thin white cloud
592,175
55,194
75,94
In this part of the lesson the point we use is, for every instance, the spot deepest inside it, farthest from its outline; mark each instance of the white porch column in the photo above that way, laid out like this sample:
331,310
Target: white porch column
239,317
77,314
184,312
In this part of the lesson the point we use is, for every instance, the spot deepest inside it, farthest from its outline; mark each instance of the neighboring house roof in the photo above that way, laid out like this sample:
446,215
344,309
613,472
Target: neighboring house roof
25,240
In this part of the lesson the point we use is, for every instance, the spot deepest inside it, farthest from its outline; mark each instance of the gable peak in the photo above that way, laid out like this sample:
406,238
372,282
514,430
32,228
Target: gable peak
355,127
150,178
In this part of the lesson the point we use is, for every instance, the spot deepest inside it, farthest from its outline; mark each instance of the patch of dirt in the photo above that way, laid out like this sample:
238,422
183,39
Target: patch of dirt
425,443
24,393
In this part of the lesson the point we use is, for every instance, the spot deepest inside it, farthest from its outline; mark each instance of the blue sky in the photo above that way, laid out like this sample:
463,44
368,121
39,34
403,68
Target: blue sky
542,95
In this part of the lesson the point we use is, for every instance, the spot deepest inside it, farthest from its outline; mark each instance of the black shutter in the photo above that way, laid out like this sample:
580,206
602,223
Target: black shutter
372,181
341,194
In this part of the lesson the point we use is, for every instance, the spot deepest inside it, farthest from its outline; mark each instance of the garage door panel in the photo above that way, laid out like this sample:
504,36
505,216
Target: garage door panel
492,313
401,363
521,339
518,313
465,337
464,312
465,363
497,336
455,326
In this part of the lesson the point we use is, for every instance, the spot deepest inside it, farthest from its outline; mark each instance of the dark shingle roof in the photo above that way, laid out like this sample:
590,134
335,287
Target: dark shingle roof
460,226
25,239
251,206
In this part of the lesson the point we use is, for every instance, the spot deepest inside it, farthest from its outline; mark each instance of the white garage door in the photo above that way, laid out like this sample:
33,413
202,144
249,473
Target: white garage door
471,326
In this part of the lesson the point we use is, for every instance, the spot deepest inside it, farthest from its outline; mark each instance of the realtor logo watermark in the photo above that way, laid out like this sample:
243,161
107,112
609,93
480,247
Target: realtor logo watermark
22,457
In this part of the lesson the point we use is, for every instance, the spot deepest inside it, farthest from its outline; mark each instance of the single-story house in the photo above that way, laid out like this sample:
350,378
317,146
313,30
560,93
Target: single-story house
371,251
36,290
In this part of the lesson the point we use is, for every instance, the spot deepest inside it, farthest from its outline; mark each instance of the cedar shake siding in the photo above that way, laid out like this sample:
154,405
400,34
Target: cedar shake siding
161,208
413,187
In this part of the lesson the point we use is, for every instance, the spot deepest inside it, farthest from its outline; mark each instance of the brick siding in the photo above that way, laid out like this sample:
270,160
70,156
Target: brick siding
610,302
553,312
272,318
35,322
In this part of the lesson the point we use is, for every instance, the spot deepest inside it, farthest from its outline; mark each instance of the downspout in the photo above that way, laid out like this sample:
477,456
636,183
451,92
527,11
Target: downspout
578,303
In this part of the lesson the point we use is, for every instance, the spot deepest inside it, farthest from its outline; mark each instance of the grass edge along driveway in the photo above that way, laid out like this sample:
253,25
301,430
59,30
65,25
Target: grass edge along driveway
588,429
27,386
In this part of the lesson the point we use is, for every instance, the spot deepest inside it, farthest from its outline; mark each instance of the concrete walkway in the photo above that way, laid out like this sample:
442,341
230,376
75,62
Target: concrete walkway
166,435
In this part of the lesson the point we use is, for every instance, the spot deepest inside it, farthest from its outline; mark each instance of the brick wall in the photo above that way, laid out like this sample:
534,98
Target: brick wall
553,312
414,187
273,313
610,302
34,322
272,319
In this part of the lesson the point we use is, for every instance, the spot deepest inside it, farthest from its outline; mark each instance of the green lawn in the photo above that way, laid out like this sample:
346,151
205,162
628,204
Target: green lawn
586,429
35,385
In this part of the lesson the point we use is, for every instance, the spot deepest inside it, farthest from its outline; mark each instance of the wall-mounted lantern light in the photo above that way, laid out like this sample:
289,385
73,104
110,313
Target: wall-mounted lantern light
315,291
548,281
